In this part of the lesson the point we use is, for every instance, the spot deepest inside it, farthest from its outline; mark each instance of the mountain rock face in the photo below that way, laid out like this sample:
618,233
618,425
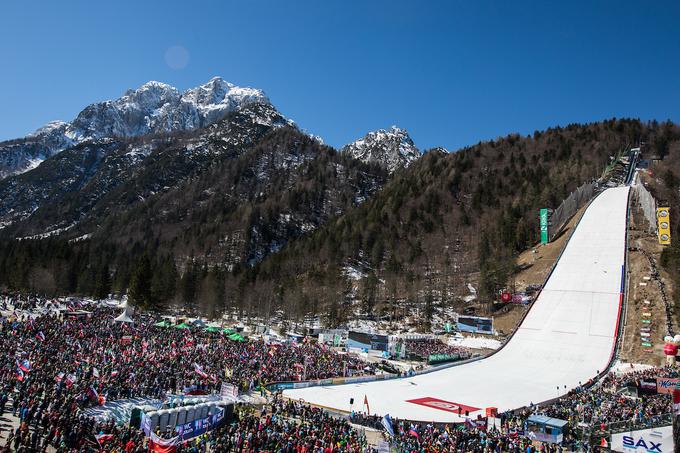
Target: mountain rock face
151,109
392,149
87,181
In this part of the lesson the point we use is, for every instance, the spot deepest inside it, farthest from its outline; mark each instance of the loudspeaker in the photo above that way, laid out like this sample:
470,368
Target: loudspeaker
351,401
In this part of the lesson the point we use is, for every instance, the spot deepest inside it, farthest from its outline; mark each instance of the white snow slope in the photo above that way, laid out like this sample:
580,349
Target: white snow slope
567,337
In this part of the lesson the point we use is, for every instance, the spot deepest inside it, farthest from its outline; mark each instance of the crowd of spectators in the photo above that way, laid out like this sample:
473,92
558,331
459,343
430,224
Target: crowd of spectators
601,406
289,427
54,366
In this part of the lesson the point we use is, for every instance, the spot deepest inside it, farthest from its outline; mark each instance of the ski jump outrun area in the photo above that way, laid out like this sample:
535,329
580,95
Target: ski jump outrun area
567,337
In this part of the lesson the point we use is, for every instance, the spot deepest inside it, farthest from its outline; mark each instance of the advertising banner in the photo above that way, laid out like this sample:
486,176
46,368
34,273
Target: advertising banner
441,358
228,390
663,216
544,225
666,385
658,440
198,427
475,324
520,298
443,405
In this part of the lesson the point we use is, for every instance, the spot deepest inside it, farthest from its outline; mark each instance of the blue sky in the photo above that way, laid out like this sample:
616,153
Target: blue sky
451,73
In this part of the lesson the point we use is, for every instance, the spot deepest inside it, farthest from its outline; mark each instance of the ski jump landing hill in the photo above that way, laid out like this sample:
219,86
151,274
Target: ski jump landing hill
568,337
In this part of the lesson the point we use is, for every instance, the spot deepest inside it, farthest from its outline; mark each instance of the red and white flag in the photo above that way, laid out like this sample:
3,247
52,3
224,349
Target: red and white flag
368,409
103,438
70,380
159,445
199,370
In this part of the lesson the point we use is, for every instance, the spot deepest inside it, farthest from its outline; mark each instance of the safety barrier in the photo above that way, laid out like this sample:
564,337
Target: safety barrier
566,210
647,203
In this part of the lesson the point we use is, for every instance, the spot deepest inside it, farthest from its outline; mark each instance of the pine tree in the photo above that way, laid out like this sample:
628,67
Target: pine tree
139,292
102,285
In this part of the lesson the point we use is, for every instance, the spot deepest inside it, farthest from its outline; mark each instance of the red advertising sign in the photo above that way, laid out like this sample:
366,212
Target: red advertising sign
666,385
442,405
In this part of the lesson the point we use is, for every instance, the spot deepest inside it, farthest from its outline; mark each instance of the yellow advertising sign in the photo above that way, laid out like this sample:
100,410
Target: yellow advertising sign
663,218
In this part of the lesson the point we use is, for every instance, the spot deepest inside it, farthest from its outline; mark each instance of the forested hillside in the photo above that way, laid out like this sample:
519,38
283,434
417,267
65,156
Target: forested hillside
284,223
447,220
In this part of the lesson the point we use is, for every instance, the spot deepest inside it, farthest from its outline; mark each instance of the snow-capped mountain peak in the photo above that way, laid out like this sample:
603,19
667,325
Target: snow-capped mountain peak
155,107
48,128
392,148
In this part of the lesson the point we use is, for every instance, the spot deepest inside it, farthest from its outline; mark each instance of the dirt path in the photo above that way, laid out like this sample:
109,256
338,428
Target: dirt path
645,318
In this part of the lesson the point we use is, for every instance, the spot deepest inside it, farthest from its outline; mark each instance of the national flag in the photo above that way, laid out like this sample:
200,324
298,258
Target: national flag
24,364
114,373
603,443
95,372
387,423
199,370
59,377
70,380
368,409
92,393
40,336
228,372
160,445
414,433
103,438
20,375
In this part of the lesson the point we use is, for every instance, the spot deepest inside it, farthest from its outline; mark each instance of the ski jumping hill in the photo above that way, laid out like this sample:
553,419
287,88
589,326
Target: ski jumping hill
567,337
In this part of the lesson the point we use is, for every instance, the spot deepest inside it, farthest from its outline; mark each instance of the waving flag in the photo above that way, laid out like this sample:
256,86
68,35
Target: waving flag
199,370
387,423
368,409
70,380
40,336
25,365
103,438
20,375
59,377
92,393
160,445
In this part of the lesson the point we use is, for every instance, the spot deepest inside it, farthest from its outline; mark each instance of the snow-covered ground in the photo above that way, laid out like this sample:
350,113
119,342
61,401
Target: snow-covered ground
566,338
475,342
624,367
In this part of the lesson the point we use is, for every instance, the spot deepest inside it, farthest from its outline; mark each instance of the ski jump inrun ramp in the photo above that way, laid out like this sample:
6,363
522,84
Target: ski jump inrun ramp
567,337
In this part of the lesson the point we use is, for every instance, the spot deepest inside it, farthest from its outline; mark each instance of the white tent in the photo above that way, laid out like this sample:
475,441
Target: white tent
125,316
198,322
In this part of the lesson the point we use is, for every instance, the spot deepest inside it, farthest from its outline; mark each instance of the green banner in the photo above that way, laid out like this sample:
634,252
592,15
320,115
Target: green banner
441,358
544,226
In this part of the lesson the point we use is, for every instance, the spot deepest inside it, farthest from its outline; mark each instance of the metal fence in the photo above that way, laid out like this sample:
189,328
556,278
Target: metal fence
569,206
647,203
